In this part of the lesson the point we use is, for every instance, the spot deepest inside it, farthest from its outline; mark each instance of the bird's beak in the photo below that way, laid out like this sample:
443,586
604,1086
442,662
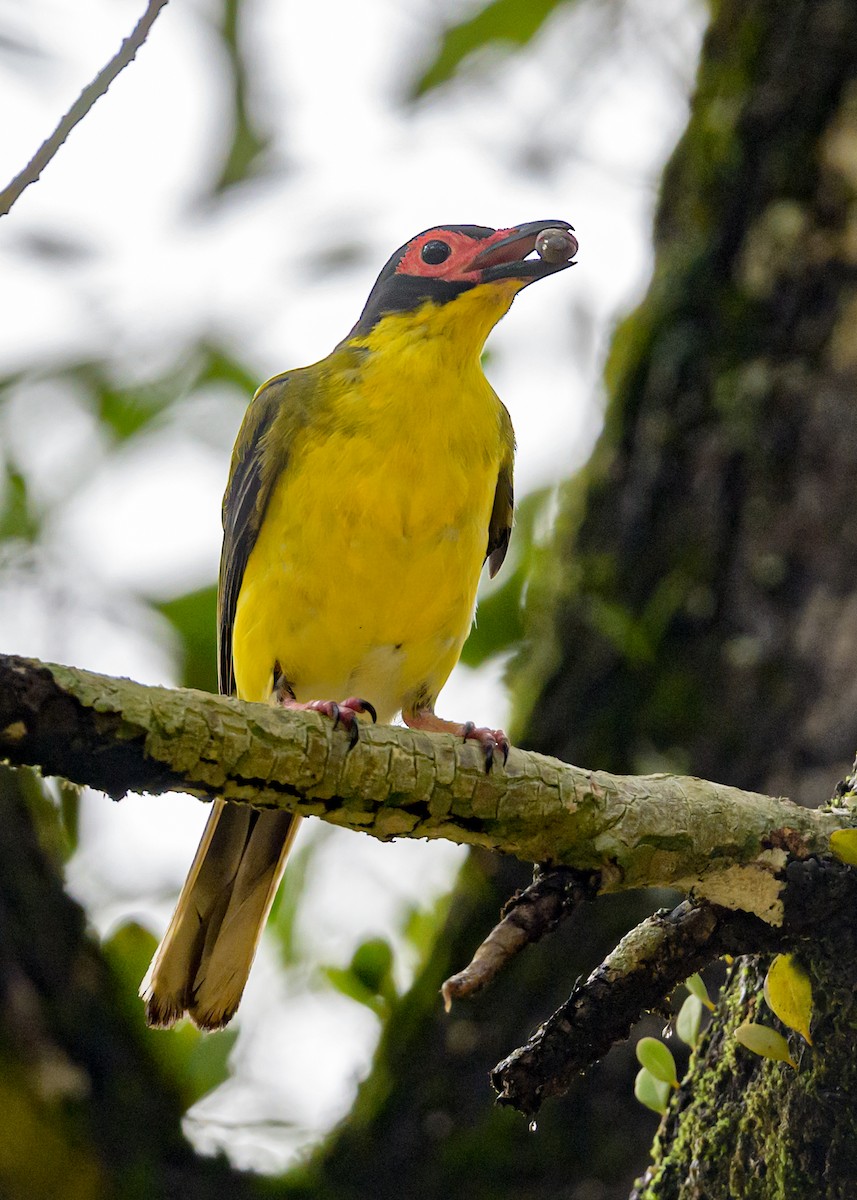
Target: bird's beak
506,254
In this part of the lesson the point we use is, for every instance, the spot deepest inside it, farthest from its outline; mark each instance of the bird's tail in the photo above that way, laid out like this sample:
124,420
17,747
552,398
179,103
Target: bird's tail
202,963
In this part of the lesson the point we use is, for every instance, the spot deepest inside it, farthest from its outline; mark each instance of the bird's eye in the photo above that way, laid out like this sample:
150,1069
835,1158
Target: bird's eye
435,252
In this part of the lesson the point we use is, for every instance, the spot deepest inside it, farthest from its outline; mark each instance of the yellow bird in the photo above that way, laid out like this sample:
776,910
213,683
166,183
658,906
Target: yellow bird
365,493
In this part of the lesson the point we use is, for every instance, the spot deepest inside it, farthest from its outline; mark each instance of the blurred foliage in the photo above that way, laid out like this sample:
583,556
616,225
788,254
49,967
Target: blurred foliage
283,916
19,519
421,924
368,978
53,806
193,618
507,23
194,1062
248,143
125,410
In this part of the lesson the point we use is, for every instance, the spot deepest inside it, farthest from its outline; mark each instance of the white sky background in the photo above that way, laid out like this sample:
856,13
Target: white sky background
558,130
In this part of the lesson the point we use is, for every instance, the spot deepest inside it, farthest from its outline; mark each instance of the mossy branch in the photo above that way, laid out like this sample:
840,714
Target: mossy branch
718,842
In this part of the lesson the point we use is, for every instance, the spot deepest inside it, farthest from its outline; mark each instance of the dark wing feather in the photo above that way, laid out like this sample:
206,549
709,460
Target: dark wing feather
500,524
256,465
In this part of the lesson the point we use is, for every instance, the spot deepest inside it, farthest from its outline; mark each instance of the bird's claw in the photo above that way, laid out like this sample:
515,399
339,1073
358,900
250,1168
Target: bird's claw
359,705
346,714
491,740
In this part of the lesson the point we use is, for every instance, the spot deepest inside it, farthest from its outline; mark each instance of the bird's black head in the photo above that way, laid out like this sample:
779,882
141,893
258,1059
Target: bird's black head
441,263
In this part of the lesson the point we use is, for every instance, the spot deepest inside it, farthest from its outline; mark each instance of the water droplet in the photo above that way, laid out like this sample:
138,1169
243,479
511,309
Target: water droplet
667,1030
533,1127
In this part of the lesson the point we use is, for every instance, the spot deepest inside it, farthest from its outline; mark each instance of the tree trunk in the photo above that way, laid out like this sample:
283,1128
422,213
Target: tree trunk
699,606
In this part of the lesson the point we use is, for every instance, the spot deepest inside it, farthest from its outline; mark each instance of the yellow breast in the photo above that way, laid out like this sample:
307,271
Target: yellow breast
363,577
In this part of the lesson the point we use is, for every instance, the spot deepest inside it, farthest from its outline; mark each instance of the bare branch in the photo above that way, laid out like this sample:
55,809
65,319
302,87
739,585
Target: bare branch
650,962
87,98
645,967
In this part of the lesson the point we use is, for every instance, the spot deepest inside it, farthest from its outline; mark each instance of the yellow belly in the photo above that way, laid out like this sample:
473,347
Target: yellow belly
363,577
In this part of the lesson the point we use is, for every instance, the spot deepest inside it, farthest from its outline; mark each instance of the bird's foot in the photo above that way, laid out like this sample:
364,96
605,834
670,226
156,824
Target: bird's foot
492,741
344,712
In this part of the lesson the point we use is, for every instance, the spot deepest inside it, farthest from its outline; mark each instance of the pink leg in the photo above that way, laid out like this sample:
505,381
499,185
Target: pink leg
344,713
491,740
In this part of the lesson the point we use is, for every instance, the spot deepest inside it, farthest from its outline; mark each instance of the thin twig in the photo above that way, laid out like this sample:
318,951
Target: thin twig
552,897
87,98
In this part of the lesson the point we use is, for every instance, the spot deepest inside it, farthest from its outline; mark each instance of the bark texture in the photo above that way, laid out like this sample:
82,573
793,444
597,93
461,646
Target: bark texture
698,608
635,831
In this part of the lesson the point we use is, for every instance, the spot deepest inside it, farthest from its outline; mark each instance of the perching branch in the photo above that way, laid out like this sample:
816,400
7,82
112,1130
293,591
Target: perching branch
723,844
87,98
749,861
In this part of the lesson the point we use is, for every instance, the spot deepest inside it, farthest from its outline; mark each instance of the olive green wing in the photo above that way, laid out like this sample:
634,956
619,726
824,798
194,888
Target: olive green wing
257,462
500,524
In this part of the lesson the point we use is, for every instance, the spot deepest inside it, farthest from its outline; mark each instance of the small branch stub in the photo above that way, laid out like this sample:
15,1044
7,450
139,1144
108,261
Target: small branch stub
552,897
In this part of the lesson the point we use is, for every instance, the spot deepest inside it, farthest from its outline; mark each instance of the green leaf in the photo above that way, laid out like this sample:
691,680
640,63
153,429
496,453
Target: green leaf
657,1059
125,411
654,1093
764,1041
19,517
688,1019
369,977
372,964
194,618
206,1063
197,1062
282,921
843,845
422,923
696,986
220,367
249,142
788,992
499,623
129,949
504,22
40,796
69,798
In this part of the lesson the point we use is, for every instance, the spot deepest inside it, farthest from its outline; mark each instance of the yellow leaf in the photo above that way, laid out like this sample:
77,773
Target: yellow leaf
696,987
788,992
764,1041
843,844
